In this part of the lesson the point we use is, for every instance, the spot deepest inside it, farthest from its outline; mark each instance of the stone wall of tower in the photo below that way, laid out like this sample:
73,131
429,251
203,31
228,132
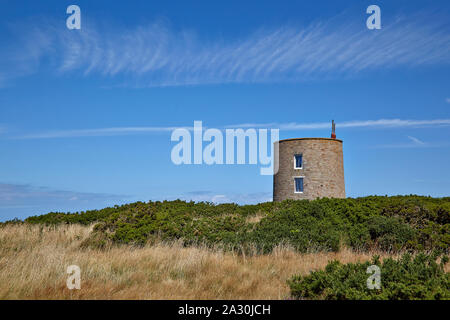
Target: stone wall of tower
322,169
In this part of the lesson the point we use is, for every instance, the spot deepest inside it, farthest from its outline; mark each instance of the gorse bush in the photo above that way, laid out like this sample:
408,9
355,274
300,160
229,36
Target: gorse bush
375,222
419,277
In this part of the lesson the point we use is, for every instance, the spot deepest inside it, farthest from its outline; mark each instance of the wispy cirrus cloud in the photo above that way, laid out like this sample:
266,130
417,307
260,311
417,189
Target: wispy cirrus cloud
156,55
290,126
416,141
99,132
379,123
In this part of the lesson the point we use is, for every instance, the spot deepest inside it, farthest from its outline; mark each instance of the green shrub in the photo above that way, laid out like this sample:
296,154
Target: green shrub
389,233
408,278
374,222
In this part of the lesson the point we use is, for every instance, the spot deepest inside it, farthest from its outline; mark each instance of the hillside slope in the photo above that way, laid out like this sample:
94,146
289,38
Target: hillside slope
370,223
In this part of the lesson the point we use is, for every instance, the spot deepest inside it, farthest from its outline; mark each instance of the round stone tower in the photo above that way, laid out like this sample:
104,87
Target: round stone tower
309,168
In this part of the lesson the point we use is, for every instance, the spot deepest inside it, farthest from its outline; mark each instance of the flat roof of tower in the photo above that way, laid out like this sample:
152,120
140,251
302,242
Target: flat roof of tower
292,139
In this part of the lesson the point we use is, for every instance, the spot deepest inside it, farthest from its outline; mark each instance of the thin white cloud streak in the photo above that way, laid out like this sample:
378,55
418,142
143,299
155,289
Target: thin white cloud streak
411,145
116,131
380,123
155,55
447,100
408,146
416,141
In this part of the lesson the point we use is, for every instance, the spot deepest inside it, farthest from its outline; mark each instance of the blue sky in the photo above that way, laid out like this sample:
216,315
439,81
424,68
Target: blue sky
85,115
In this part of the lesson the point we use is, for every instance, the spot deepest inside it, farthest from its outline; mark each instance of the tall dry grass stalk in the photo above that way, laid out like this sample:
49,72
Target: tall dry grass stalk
33,262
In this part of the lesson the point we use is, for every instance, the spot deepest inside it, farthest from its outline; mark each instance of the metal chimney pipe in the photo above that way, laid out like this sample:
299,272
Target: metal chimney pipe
333,130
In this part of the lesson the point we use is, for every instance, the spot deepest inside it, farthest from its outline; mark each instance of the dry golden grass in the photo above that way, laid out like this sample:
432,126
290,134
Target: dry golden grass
33,262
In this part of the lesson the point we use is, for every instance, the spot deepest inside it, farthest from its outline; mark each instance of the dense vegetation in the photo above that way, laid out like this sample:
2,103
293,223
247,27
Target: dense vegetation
408,278
375,222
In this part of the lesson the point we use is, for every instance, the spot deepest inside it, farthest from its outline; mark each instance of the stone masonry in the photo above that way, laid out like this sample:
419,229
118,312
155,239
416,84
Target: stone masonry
322,169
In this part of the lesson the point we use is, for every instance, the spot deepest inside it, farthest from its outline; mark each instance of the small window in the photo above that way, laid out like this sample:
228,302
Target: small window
298,181
298,161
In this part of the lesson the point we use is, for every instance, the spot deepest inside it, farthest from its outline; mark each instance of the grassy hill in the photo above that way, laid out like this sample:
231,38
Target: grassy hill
383,223
184,250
